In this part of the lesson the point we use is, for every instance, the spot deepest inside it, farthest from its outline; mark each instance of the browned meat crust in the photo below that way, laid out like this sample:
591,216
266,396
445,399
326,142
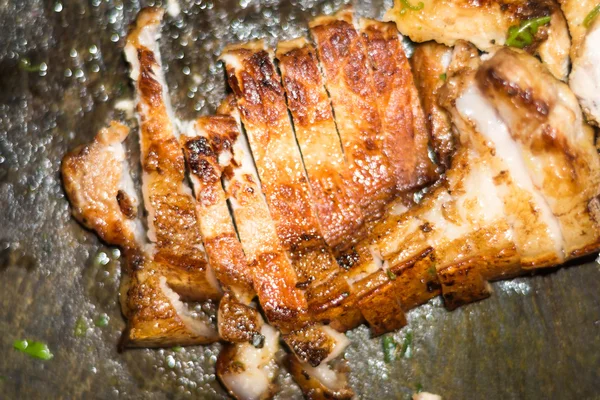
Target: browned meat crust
334,192
173,226
343,57
404,133
430,75
260,99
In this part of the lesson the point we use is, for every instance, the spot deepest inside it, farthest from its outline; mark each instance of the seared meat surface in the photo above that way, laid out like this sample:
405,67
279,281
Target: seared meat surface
346,184
486,24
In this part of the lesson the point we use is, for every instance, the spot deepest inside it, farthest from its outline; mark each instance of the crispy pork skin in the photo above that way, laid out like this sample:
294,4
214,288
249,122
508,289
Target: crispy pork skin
172,222
486,24
335,195
430,62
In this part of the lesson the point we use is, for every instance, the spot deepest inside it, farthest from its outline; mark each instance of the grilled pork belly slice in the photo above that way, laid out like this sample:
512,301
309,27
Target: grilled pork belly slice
585,55
247,370
274,277
205,142
486,24
172,222
261,102
101,192
430,62
404,132
336,198
263,112
349,82
546,123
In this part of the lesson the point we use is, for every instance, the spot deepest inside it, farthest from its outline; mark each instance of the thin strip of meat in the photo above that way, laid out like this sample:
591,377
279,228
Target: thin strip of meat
206,141
486,24
349,82
172,222
405,138
274,278
430,63
100,189
335,196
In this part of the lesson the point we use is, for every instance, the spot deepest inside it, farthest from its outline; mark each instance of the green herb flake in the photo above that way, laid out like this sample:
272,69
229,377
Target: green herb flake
102,321
522,36
392,276
34,349
258,341
177,349
587,22
406,346
406,6
419,388
80,327
389,349
444,76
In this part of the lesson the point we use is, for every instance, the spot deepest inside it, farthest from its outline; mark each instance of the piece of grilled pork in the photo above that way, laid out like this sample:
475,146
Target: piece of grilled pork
486,24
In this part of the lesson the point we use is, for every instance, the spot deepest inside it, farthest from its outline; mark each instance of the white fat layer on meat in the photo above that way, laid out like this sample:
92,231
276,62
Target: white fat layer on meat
245,162
447,59
127,106
196,326
585,76
341,342
329,378
474,106
435,217
232,61
259,367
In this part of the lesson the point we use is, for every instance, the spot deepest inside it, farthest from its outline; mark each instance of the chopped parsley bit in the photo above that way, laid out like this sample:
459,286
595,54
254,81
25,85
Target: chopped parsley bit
443,77
419,387
407,343
391,275
170,361
102,321
258,340
80,327
33,349
345,294
587,22
177,349
389,349
407,6
522,36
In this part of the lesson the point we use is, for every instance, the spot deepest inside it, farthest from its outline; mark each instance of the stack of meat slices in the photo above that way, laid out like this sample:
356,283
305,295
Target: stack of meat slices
316,215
